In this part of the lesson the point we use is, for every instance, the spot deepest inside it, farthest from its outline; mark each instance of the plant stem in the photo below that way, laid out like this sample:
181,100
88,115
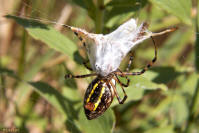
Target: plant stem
99,20
197,41
195,98
21,64
192,108
2,86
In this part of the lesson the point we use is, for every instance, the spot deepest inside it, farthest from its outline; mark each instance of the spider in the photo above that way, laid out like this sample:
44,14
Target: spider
101,91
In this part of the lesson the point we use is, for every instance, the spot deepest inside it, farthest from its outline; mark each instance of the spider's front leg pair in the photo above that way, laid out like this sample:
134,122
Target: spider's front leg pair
80,35
145,68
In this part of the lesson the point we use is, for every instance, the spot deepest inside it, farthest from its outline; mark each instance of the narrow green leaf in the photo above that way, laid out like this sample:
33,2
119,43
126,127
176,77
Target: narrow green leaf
9,72
61,103
179,8
47,34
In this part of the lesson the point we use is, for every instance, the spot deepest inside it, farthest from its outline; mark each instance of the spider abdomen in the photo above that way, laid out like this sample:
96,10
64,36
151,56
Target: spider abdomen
98,97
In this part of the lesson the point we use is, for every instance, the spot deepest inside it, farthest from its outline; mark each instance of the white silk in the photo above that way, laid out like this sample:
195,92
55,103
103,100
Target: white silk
106,52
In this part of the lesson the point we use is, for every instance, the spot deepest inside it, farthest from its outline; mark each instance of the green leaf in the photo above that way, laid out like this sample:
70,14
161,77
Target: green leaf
162,74
137,87
179,8
11,73
102,124
46,34
61,103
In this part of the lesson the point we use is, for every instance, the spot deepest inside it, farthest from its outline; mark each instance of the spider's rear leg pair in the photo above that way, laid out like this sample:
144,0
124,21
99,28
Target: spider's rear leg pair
122,84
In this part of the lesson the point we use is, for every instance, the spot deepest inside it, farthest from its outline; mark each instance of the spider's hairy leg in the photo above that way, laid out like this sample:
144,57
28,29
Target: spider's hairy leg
116,93
145,68
80,76
130,61
116,75
80,33
127,70
165,31
122,84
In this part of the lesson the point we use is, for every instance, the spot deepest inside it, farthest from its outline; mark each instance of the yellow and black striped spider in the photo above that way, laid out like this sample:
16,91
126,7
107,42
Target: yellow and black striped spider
101,91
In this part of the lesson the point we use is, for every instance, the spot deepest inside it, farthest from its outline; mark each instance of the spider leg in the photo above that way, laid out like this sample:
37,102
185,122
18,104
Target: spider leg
80,33
86,65
116,93
80,38
145,68
127,70
130,61
80,76
128,80
122,84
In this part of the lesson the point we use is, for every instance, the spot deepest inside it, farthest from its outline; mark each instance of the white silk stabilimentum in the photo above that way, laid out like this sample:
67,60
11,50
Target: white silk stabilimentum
106,52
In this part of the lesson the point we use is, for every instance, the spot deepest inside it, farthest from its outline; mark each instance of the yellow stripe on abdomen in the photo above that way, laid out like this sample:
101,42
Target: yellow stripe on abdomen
95,86
99,98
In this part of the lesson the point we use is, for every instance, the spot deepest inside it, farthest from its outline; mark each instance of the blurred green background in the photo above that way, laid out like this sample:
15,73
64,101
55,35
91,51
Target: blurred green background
35,56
